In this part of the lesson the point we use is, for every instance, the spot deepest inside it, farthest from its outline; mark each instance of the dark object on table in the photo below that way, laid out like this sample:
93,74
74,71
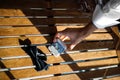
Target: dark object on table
37,56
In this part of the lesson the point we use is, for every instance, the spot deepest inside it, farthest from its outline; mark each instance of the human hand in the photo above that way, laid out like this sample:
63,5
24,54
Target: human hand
76,35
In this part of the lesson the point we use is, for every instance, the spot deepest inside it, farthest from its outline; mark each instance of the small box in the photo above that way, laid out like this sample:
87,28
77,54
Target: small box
57,48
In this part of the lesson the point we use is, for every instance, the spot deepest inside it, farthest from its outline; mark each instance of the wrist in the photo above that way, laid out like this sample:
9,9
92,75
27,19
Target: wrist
90,28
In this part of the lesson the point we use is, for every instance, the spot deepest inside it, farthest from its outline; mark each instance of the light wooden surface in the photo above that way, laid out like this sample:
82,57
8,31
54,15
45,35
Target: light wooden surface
14,21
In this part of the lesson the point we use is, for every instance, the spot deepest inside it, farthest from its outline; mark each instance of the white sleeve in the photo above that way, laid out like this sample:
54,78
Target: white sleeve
103,19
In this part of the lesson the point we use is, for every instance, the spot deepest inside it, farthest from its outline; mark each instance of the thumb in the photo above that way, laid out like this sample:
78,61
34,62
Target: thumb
72,46
74,43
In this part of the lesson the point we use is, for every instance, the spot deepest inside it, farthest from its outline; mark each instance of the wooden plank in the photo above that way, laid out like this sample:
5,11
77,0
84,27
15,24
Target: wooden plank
65,4
60,28
15,41
116,40
33,30
62,58
18,51
77,57
19,31
118,50
28,30
71,4
12,12
3,76
107,36
41,39
114,78
22,4
65,77
53,69
79,76
115,34
39,4
63,68
95,45
44,12
90,75
81,46
25,21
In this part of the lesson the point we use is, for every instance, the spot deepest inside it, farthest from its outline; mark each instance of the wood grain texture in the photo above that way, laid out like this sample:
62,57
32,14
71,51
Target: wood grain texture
114,78
82,76
22,4
16,17
116,40
25,21
61,68
52,59
44,12
38,30
40,4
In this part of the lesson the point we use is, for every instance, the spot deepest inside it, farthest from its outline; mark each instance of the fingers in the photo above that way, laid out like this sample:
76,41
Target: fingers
56,36
65,38
60,36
